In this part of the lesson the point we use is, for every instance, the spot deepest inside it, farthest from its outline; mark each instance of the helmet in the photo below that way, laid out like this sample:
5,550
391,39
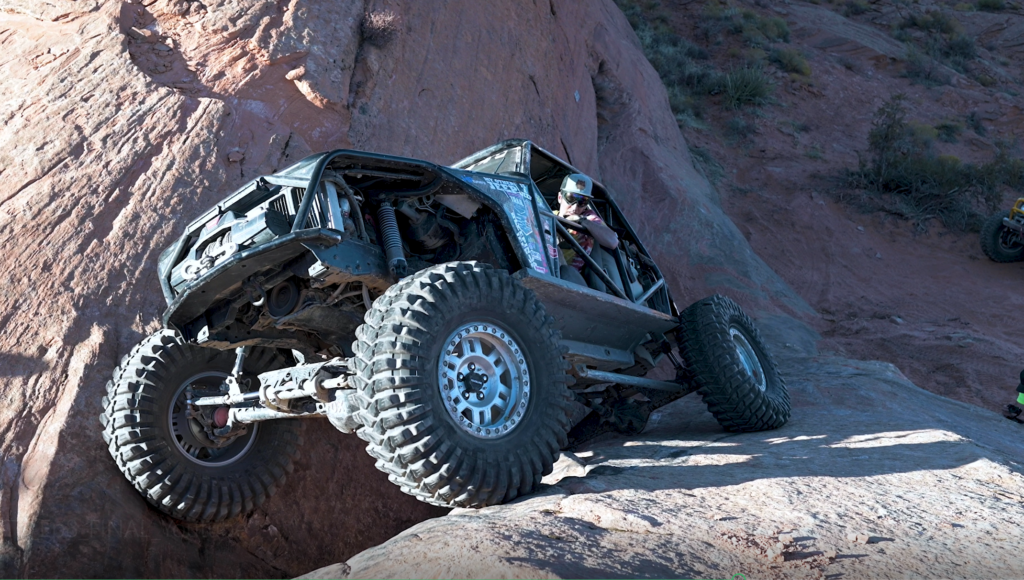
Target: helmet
576,187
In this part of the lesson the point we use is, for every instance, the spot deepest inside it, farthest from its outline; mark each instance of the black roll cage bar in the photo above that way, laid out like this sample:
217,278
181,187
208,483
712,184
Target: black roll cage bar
562,225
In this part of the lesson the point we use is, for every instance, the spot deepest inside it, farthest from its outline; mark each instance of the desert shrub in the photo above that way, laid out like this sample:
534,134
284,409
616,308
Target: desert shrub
855,7
922,134
790,60
964,7
903,35
738,128
991,5
799,126
712,169
974,122
715,19
773,27
948,131
938,36
849,64
687,107
676,59
985,80
754,56
924,69
756,30
682,65
958,50
904,176
745,86
931,21
379,27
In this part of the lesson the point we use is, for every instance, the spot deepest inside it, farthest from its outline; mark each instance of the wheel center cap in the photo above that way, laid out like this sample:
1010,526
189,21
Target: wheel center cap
472,380
484,379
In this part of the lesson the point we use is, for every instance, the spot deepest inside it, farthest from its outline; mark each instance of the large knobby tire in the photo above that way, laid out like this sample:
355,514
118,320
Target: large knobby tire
999,243
436,336
154,446
736,376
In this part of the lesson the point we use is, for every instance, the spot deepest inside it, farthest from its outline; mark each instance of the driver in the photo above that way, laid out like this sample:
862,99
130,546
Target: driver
574,205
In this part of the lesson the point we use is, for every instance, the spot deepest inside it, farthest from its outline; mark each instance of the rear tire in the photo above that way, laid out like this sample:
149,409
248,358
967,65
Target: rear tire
998,242
736,376
155,447
463,391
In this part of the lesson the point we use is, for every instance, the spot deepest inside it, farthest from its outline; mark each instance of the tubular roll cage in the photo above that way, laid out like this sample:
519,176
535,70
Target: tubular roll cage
561,225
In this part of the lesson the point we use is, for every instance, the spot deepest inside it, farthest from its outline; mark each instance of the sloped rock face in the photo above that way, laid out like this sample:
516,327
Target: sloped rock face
872,478
124,120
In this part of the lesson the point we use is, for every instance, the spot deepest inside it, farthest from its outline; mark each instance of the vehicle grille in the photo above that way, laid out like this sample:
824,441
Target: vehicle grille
280,204
316,214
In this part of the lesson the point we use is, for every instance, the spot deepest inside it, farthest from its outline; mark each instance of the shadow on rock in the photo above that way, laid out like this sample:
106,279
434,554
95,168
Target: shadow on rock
18,365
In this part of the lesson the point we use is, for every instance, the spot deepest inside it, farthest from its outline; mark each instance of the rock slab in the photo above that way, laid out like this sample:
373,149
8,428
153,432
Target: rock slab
122,121
872,478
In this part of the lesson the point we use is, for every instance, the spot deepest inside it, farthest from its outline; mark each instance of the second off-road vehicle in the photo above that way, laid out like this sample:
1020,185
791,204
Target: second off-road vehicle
423,308
1002,234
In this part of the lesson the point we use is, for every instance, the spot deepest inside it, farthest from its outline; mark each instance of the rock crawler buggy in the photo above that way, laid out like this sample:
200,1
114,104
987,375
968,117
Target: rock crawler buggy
1002,234
422,308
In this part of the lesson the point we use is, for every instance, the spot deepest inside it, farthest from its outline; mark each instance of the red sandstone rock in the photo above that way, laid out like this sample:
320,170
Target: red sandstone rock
111,143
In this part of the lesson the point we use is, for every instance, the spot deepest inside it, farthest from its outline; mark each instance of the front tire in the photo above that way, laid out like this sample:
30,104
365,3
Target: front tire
167,456
999,243
463,391
736,376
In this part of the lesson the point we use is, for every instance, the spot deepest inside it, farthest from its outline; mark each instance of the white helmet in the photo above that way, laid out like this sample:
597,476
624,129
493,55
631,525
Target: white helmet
576,186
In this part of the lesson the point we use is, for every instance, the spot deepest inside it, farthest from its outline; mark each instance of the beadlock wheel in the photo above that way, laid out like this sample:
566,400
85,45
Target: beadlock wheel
190,435
732,367
462,386
1000,243
748,358
484,380
167,454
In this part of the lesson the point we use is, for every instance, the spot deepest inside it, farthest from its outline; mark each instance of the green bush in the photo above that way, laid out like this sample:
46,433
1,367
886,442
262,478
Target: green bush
713,170
949,131
790,60
991,5
745,86
774,28
958,50
855,7
682,66
756,30
932,21
985,80
739,128
974,122
903,176
924,69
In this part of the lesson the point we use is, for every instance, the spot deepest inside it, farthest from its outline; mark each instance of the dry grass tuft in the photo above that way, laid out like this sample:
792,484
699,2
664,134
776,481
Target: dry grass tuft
380,27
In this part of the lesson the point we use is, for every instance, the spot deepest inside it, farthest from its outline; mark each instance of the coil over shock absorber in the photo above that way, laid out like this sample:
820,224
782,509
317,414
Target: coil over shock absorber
392,239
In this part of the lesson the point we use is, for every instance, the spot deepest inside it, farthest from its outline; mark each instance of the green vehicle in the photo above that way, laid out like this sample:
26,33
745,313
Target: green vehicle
424,309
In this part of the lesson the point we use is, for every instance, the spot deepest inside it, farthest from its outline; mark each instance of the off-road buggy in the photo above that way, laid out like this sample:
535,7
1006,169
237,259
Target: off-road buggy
422,308
1002,234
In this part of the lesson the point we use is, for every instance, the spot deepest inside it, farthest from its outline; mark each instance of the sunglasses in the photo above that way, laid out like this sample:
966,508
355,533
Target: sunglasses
572,198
